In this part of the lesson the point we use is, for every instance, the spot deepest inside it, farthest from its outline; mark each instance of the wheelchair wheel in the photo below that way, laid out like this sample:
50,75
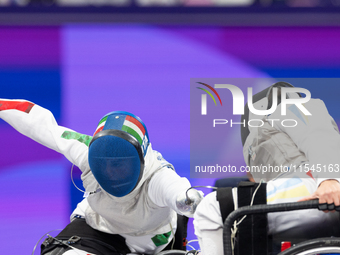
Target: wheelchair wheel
329,245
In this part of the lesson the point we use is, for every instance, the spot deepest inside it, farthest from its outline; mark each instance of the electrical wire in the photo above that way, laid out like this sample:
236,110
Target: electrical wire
47,234
173,234
63,243
236,223
35,247
55,239
194,240
199,186
73,180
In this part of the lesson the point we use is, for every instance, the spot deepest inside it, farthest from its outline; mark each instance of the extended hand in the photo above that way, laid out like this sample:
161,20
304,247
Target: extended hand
328,193
188,201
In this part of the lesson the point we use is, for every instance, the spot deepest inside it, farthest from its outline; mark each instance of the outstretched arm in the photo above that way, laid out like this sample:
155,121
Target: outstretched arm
168,189
166,186
40,125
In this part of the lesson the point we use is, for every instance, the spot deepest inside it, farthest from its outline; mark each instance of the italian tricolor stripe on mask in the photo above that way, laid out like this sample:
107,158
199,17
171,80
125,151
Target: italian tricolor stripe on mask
100,125
134,127
130,125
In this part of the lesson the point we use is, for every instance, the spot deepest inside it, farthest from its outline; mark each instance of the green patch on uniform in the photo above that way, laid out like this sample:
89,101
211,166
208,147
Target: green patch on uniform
85,139
159,240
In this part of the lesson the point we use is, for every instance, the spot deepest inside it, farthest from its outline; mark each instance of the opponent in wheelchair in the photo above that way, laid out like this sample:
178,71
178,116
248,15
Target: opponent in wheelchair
301,152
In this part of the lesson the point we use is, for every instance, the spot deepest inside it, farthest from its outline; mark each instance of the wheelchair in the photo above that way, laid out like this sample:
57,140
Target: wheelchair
324,245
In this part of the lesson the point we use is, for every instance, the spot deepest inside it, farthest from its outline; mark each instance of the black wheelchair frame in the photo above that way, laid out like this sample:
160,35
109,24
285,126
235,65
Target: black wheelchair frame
314,246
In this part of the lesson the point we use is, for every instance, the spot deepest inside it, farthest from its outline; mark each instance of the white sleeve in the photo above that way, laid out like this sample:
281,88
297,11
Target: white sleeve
209,226
165,186
315,136
40,125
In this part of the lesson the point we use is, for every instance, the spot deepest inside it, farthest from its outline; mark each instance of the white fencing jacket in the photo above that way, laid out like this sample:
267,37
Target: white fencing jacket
146,211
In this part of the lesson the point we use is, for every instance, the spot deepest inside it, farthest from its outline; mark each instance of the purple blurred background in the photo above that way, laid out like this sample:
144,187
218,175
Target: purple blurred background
82,72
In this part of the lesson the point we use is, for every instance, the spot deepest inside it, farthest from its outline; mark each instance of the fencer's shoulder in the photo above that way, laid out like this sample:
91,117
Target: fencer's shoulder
155,158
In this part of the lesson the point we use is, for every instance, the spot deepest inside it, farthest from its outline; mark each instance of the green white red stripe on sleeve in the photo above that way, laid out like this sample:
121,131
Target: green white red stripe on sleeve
20,105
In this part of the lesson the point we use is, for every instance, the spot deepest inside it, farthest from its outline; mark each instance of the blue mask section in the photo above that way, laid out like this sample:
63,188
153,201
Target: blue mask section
113,122
115,164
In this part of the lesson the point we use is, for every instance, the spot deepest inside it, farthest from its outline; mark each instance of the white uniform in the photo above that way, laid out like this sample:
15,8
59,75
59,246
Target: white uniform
315,159
139,216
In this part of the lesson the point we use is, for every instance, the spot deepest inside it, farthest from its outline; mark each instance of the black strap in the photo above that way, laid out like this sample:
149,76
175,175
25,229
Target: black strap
245,191
252,233
224,197
90,240
180,235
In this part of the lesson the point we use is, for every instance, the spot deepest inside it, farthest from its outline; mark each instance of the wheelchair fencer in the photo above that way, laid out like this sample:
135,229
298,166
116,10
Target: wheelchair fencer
134,201
276,208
